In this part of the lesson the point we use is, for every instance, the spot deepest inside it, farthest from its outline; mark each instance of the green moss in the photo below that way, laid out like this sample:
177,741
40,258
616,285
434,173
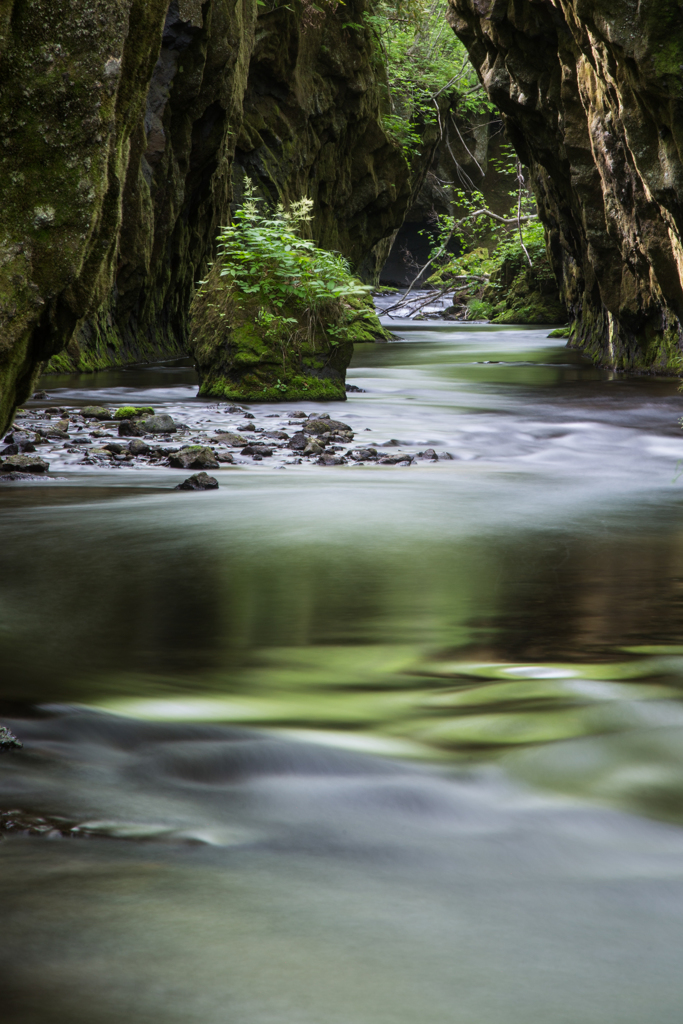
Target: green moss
129,412
297,388
560,332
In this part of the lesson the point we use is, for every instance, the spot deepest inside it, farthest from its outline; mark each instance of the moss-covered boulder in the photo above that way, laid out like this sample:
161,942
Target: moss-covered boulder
246,356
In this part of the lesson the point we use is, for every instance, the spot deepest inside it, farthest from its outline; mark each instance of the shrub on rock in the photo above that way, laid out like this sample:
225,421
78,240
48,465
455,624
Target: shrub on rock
277,317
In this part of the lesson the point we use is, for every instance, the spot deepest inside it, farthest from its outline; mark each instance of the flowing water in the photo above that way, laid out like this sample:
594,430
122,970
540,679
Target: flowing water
356,744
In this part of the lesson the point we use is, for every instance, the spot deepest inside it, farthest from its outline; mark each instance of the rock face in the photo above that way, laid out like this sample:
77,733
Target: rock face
123,124
592,96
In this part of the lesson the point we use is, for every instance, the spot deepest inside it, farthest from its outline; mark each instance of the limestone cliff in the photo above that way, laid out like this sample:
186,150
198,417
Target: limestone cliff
592,96
123,124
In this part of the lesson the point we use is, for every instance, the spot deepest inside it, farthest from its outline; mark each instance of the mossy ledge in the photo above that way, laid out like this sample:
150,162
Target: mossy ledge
592,98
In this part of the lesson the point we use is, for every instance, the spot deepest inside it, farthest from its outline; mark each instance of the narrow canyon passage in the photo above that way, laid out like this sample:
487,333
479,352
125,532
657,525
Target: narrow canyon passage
355,744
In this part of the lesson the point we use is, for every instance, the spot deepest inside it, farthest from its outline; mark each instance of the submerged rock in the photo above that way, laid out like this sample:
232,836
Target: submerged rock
198,482
24,464
194,457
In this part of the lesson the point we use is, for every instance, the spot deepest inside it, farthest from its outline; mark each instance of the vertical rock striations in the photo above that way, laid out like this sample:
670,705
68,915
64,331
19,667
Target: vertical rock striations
592,96
73,79
123,125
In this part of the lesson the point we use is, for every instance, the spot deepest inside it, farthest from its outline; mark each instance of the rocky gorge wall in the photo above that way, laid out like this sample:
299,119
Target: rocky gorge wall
125,129
591,92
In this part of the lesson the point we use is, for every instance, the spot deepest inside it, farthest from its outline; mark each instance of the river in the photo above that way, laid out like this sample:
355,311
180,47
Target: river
356,744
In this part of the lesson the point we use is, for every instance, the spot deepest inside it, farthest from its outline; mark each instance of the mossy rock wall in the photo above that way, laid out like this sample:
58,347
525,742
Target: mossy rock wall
521,294
592,98
119,121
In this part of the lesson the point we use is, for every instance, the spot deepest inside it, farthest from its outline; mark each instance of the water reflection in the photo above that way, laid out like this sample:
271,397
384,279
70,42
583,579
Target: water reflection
503,627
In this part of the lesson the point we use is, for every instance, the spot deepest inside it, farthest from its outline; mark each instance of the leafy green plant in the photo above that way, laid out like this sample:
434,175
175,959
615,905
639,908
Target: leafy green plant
263,257
424,60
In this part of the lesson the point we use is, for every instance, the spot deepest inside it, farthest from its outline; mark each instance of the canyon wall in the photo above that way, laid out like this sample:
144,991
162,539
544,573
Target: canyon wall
591,92
125,129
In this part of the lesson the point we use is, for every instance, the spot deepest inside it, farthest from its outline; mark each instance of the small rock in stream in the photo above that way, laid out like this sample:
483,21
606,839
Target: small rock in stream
331,460
198,482
96,412
130,428
228,437
257,451
138,447
162,423
24,464
194,457
429,453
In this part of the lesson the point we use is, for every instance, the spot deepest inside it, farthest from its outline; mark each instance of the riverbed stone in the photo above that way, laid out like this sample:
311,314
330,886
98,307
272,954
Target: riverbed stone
138,447
328,459
298,441
130,428
162,423
194,457
325,425
96,412
198,482
228,437
24,464
257,450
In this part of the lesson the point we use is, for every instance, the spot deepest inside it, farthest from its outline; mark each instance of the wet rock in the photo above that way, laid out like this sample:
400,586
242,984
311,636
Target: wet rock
363,454
298,441
138,447
281,435
314,448
228,437
24,464
162,423
129,428
257,450
298,415
96,412
8,741
247,426
331,460
446,455
11,449
194,457
40,394
393,443
113,447
429,453
394,460
225,457
249,415
324,425
198,482
353,388
53,432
